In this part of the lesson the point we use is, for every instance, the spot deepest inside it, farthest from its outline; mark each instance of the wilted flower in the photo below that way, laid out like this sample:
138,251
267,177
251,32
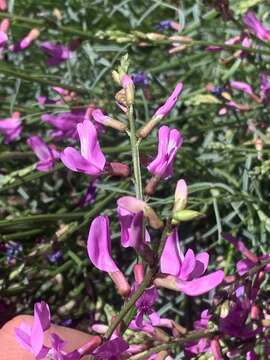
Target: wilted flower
47,154
170,141
186,270
251,21
11,128
90,160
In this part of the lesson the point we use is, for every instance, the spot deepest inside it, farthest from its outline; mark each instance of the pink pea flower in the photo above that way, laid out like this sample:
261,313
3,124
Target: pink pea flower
129,206
65,123
169,104
254,25
26,41
170,140
4,26
90,160
46,153
145,305
11,128
131,226
100,253
3,5
186,270
56,53
32,337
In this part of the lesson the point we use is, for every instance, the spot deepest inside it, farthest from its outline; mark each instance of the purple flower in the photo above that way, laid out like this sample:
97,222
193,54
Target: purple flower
32,337
26,41
55,257
11,128
168,25
90,195
187,270
141,79
169,104
145,305
170,140
251,21
65,123
46,153
265,88
100,252
13,250
57,53
90,160
242,86
57,350
111,350
131,226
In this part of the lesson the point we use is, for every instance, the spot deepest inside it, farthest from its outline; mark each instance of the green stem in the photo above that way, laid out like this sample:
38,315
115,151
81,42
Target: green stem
135,154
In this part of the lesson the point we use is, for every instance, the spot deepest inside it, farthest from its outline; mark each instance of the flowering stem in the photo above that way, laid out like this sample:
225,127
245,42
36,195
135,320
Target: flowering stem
136,295
135,154
193,336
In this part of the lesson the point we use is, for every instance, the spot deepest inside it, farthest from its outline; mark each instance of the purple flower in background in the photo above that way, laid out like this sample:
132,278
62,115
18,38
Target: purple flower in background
111,350
170,140
32,337
11,128
55,257
141,79
46,153
187,270
57,350
90,160
265,88
203,345
26,41
13,250
56,53
90,195
254,25
168,25
65,123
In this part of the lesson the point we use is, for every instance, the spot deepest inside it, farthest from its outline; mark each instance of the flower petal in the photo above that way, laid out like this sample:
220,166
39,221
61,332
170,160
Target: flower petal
73,160
99,245
170,261
201,285
188,265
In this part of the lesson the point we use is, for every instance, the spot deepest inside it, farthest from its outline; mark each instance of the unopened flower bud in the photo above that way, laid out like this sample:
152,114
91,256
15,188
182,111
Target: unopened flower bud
152,184
3,5
180,196
118,169
121,283
32,36
138,271
108,121
255,312
4,26
156,37
128,85
116,77
216,350
185,215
